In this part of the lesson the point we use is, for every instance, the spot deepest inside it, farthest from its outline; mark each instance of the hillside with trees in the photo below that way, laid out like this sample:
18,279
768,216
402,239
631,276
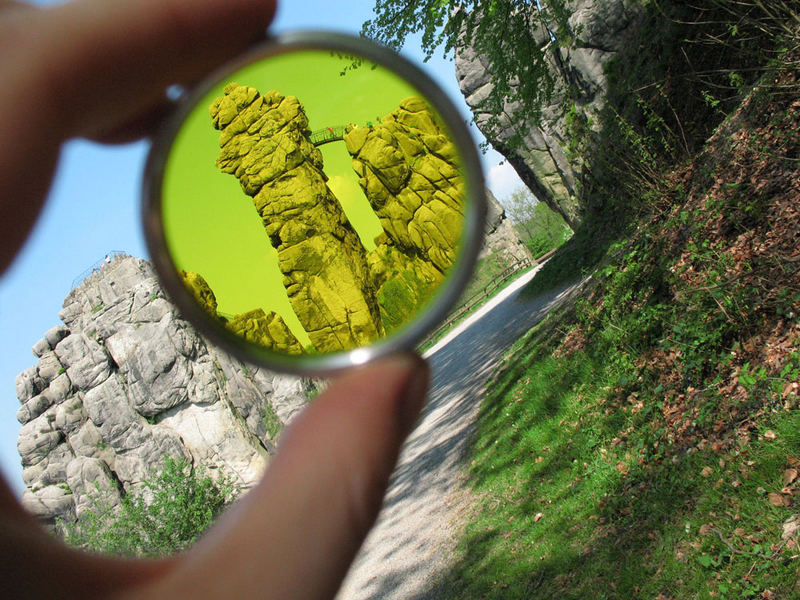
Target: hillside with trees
643,442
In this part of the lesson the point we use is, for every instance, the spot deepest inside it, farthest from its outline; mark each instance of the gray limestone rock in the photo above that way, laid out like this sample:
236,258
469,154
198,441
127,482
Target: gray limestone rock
126,382
601,28
28,384
41,347
55,335
92,483
49,367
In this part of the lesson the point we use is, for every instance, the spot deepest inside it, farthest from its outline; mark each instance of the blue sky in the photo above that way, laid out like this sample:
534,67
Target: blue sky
93,209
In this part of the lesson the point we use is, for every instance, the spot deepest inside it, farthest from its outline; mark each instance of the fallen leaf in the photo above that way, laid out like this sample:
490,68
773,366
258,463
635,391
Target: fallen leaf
770,435
778,499
789,475
705,529
706,471
537,517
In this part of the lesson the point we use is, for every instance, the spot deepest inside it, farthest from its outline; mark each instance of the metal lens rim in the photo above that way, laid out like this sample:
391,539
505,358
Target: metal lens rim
444,299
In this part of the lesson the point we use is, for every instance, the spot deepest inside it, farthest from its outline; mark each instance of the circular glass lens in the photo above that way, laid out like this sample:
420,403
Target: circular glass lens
318,197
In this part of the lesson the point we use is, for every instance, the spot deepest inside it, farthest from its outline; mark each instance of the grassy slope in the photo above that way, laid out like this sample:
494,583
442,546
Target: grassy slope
646,442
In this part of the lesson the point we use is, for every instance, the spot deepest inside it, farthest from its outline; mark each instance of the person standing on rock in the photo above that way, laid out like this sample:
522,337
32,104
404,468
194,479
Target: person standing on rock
98,69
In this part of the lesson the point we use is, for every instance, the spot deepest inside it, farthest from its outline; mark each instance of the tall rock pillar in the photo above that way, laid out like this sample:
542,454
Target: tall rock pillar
264,143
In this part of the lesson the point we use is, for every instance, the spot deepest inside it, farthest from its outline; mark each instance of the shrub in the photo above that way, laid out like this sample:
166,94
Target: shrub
173,508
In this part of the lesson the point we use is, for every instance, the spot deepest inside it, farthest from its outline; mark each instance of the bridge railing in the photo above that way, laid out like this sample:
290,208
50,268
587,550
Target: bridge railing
327,135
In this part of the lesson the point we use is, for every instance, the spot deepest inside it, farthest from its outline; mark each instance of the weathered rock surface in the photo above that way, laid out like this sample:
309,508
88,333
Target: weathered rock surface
126,382
409,171
264,142
265,329
404,282
255,326
601,29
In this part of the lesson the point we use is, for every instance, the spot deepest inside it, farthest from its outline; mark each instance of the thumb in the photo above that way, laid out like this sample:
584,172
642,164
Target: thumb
296,533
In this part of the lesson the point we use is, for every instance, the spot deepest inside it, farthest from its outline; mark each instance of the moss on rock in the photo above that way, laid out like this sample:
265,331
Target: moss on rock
201,291
404,283
265,329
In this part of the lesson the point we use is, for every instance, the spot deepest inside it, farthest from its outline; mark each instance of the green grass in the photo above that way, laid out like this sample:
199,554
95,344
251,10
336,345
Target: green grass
271,421
634,444
581,496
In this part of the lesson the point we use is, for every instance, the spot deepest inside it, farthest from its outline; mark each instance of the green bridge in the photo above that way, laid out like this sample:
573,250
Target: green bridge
327,135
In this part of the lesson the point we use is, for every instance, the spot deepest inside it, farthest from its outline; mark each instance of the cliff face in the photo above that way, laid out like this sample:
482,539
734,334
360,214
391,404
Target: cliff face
409,172
125,382
542,160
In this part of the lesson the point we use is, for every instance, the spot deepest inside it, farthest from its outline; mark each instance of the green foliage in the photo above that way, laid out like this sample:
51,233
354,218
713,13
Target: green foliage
516,35
540,228
550,230
400,297
642,444
272,422
585,487
166,515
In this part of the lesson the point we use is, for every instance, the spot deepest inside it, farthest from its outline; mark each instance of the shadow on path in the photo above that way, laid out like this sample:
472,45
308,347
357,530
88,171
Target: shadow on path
417,529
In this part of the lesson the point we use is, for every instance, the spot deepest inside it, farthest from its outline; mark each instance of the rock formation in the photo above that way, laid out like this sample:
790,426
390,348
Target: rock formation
125,382
408,169
500,235
542,160
255,326
264,143
409,172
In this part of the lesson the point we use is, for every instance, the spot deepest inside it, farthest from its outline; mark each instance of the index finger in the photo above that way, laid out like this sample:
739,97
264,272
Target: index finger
91,64
91,67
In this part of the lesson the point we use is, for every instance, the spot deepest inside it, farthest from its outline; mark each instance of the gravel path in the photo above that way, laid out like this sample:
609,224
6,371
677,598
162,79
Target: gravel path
418,527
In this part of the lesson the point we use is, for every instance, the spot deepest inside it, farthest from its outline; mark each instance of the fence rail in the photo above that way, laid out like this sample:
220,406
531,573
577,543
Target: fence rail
479,297
483,295
97,266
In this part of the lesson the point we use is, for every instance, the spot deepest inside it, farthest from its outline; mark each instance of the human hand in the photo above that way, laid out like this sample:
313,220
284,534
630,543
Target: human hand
98,69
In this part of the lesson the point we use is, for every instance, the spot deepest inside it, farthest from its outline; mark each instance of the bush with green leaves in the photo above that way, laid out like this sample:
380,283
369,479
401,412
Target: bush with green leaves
167,514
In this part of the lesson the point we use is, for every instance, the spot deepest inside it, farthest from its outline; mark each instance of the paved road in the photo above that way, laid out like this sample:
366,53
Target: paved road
419,525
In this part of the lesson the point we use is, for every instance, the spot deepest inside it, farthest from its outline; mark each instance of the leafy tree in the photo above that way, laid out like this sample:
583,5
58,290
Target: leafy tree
172,509
540,227
520,207
518,37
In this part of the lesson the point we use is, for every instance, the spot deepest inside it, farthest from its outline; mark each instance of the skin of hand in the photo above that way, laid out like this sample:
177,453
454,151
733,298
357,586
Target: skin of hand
98,69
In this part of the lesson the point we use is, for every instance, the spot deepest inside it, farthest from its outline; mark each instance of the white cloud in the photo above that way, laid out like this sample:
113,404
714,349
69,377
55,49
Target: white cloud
502,179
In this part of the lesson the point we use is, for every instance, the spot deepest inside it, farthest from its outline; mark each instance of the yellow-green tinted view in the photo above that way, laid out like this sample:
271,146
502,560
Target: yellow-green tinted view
245,178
